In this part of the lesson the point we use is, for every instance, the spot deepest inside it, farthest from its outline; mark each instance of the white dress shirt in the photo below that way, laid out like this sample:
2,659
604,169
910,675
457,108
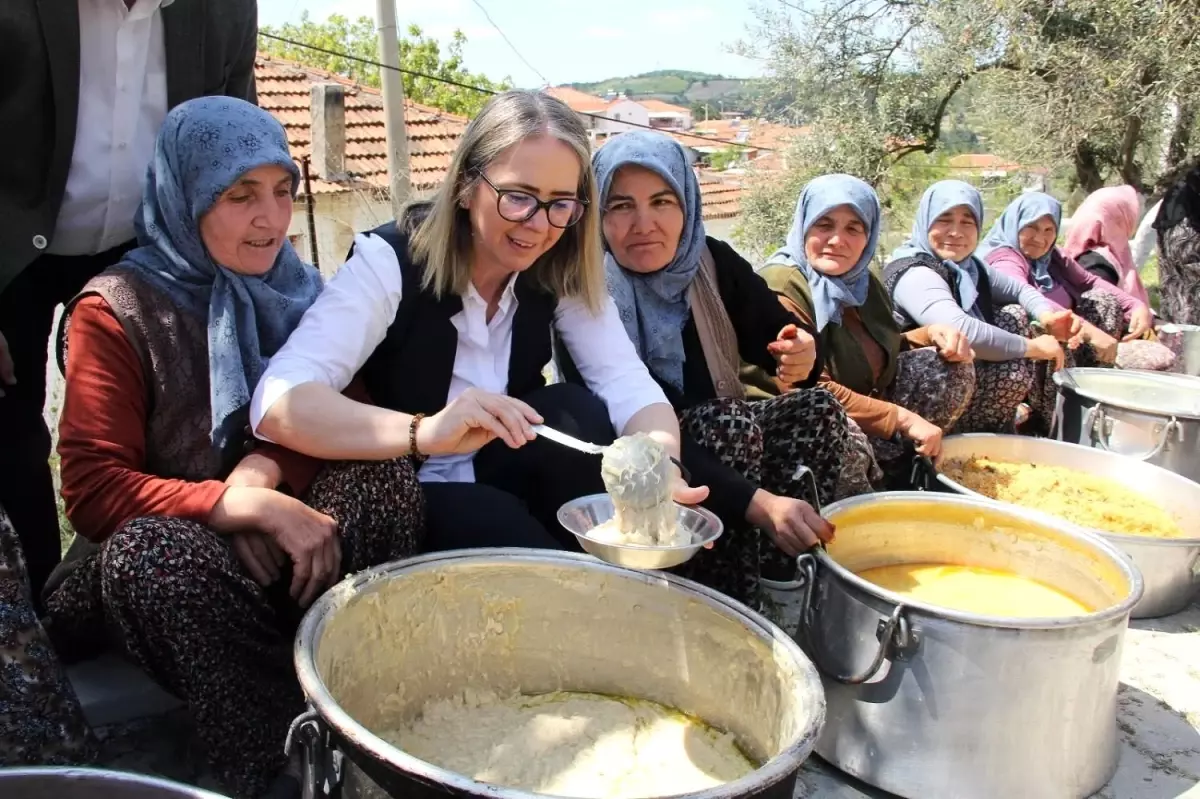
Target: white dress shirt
352,315
122,104
1145,240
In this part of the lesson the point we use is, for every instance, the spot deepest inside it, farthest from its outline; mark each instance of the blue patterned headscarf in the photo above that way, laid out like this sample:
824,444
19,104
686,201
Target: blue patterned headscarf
937,200
654,307
1022,212
204,146
831,294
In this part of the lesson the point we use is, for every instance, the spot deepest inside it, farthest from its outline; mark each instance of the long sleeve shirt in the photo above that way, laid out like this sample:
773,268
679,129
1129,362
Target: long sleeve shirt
352,316
928,300
1071,281
102,438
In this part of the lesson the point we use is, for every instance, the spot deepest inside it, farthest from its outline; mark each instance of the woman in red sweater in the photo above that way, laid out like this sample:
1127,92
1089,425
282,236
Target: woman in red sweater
209,544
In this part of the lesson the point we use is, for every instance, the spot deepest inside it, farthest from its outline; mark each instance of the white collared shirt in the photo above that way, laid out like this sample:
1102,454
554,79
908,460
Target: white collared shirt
352,316
122,104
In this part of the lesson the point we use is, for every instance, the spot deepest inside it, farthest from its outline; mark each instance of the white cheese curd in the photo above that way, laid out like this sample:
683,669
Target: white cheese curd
573,744
637,474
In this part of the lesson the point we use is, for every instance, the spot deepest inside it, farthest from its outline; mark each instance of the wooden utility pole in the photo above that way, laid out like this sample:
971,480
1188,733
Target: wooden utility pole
393,105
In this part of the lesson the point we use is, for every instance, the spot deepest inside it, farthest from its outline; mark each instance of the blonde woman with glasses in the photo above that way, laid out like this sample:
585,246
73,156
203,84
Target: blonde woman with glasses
448,313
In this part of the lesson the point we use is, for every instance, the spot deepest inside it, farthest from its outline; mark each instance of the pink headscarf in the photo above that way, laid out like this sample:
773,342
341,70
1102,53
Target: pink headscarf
1105,222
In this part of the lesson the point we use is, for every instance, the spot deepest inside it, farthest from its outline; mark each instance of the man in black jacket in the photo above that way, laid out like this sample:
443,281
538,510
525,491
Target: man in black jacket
86,86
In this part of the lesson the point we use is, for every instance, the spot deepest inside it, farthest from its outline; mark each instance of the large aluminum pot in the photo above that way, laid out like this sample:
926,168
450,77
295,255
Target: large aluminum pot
1149,416
925,701
1184,341
87,783
378,646
1170,567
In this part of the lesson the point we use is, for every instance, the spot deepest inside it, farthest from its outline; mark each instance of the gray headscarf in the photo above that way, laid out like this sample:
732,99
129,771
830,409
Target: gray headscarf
204,146
937,200
654,307
830,294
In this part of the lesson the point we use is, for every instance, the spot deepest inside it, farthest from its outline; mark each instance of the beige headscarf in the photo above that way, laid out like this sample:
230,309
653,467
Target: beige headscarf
718,339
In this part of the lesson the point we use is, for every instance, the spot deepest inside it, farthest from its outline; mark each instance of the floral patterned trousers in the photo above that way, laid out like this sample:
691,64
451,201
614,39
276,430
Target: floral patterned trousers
1000,386
41,722
178,600
930,387
765,441
1102,310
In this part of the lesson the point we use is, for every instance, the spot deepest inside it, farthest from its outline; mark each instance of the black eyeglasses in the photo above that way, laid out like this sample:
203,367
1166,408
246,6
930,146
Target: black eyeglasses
520,206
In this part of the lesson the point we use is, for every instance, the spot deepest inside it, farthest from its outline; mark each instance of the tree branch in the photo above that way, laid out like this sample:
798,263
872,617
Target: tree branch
882,65
933,125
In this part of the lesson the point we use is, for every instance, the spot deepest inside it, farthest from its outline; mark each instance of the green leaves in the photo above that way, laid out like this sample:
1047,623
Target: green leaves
418,53
1080,87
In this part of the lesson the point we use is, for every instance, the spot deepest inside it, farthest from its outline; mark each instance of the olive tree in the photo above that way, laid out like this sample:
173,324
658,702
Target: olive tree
1103,87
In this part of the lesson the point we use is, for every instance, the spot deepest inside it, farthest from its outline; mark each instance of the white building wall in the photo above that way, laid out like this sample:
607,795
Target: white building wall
338,218
620,113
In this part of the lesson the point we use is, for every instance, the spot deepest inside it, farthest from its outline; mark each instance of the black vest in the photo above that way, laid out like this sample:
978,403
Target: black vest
897,269
412,367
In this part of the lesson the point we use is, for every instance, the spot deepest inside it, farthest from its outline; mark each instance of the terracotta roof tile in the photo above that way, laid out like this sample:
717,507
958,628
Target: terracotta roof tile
658,106
284,89
578,101
720,199
982,161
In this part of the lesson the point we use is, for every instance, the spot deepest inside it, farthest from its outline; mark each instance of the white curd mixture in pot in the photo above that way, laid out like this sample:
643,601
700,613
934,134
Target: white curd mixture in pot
573,744
637,474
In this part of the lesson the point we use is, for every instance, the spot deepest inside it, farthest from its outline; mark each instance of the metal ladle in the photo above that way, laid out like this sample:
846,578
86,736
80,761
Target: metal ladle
559,437
798,583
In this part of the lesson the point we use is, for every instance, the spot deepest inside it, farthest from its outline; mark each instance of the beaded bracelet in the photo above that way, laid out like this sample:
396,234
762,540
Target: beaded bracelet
412,436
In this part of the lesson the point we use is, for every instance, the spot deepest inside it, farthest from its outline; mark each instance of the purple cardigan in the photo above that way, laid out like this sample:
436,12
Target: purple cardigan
1071,280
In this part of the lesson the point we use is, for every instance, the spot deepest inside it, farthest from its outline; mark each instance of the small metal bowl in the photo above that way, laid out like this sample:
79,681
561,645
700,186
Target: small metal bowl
581,515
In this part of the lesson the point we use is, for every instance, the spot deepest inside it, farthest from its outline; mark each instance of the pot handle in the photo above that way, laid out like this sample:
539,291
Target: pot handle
923,472
895,634
802,471
794,585
1095,422
321,775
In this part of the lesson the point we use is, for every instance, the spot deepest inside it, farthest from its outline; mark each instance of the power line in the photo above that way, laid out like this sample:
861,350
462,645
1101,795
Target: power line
480,89
369,62
511,46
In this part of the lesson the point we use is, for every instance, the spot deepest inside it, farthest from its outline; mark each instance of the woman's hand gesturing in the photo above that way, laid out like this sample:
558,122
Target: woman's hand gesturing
952,345
795,353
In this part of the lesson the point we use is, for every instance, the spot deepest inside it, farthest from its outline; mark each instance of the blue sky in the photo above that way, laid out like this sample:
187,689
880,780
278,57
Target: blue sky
566,40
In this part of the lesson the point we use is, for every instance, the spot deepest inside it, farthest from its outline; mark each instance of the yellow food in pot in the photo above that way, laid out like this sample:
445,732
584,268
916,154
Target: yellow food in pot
990,592
1096,502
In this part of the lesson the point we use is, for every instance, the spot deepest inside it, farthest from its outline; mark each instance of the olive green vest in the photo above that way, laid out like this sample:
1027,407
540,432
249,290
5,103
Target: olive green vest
844,357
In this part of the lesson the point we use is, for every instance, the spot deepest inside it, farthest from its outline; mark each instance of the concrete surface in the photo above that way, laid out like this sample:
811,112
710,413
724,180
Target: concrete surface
114,691
1158,716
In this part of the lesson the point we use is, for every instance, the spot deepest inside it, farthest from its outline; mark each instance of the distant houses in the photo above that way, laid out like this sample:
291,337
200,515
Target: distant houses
729,142
616,113
337,126
742,140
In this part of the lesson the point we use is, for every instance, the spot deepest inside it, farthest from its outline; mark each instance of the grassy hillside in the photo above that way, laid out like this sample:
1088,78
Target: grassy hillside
674,86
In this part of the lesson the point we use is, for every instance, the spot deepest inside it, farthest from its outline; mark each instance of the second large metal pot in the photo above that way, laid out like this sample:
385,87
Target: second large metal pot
1184,341
925,701
377,647
1170,567
88,783
1147,416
